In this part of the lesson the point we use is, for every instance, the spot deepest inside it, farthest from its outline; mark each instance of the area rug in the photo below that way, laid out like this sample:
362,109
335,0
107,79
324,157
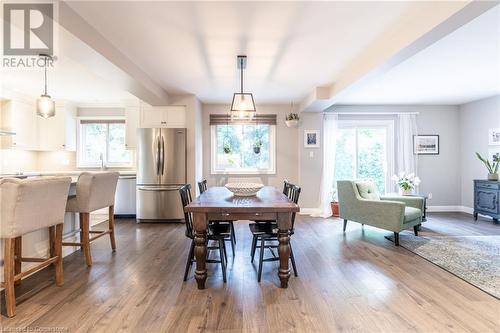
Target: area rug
475,259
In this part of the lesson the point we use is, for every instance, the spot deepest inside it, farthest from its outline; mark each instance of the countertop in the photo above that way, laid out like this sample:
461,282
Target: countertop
73,174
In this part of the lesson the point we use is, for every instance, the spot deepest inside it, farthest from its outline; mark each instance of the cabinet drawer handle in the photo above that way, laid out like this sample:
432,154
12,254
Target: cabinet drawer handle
257,214
225,214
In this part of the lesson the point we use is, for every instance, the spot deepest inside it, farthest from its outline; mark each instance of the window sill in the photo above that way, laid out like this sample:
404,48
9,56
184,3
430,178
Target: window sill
243,172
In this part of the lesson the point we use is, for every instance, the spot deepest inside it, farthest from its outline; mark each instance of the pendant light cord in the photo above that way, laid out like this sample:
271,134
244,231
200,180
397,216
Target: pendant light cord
45,67
241,70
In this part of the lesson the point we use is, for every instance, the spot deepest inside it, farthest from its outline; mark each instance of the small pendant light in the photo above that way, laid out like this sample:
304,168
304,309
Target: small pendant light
243,105
45,105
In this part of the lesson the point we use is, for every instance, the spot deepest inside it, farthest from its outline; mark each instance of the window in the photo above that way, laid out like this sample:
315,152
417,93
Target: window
102,139
365,150
243,148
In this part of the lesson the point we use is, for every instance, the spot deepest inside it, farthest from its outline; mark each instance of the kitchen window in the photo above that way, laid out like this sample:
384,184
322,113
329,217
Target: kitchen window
101,142
243,148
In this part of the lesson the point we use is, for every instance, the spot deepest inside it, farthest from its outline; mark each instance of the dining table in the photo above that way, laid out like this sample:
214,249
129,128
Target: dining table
219,204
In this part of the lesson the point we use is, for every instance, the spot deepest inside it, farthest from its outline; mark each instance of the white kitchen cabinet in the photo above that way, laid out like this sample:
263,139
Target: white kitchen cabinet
163,117
132,117
58,132
125,196
19,116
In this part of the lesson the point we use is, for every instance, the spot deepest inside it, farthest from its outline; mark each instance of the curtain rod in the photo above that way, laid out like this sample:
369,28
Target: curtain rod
371,113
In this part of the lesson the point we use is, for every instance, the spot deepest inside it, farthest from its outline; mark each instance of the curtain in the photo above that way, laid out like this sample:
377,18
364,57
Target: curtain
330,130
407,161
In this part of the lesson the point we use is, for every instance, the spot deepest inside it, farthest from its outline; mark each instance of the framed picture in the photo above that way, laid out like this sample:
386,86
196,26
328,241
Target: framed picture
494,137
311,139
494,154
426,144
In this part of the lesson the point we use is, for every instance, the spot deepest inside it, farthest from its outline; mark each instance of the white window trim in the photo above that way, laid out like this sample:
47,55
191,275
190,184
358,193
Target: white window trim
389,125
79,163
253,171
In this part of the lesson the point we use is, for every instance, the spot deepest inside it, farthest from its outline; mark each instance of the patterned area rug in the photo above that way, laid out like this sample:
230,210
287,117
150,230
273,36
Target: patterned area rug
475,259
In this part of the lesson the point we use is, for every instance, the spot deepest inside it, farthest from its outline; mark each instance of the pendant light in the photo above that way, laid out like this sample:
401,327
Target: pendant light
243,105
45,105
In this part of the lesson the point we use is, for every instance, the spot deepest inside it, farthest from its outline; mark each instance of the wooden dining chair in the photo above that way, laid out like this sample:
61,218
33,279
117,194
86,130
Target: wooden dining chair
202,186
267,234
216,235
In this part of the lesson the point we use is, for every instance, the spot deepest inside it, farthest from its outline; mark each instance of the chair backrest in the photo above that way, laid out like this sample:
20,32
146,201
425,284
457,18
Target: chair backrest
349,197
30,204
202,186
186,198
286,188
96,190
294,195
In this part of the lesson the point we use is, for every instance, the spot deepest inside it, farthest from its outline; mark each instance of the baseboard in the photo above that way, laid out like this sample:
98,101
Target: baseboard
308,211
461,209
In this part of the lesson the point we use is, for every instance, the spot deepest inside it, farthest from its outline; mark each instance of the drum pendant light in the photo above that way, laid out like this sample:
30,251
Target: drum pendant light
243,105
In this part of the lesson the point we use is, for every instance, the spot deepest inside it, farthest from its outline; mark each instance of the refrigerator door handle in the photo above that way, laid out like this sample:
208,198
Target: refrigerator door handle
162,156
157,155
158,189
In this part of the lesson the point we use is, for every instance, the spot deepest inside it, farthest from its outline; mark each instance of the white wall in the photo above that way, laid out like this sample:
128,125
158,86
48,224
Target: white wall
440,173
475,120
286,147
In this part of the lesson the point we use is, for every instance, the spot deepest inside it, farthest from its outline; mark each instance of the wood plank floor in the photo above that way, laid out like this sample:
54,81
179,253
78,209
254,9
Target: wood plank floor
357,281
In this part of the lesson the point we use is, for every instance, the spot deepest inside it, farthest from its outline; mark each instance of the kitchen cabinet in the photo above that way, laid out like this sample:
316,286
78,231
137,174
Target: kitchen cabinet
163,117
58,132
19,116
132,116
125,196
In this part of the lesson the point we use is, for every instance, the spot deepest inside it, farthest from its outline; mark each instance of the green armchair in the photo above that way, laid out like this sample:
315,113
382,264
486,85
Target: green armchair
360,202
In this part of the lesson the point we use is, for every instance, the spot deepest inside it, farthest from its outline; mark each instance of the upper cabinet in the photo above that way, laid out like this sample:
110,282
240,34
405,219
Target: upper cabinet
19,116
163,117
34,132
58,132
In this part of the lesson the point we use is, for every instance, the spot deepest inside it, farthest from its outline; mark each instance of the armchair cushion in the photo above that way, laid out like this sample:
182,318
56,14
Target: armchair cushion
412,214
367,190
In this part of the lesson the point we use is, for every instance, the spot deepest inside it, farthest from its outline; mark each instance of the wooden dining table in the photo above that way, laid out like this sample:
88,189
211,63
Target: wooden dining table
219,204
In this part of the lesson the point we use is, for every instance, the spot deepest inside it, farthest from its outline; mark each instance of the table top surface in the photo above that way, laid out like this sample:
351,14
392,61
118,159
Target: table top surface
220,199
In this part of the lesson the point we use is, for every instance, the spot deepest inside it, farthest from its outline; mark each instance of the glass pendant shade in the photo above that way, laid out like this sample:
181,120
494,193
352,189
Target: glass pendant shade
243,106
45,106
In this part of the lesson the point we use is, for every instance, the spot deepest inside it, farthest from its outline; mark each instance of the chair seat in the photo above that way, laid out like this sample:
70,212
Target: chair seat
263,229
412,214
219,229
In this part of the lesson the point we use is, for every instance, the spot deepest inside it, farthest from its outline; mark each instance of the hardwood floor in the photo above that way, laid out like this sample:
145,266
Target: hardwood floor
357,281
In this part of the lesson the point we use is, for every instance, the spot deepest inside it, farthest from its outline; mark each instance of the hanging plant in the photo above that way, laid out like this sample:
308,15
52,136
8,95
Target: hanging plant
256,146
227,148
292,119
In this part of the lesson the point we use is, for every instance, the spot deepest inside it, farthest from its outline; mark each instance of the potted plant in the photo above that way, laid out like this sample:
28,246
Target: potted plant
227,148
491,166
256,146
406,182
292,120
335,203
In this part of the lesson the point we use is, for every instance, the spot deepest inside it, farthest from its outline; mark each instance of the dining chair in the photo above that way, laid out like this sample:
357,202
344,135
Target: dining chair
202,186
267,233
216,235
27,205
94,190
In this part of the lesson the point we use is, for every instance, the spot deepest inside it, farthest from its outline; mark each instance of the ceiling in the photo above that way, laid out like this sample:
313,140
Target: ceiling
68,80
462,67
292,47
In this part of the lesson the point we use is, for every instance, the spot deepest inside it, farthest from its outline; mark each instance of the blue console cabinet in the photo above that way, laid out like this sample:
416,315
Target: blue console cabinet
487,198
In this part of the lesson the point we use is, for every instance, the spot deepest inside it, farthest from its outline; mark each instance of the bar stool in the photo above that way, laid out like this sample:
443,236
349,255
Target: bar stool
25,206
94,190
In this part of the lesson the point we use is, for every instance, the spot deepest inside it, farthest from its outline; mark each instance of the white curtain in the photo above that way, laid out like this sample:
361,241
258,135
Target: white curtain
330,130
407,161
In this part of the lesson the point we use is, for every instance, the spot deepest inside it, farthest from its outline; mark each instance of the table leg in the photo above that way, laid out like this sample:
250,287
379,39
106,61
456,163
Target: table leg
284,226
200,248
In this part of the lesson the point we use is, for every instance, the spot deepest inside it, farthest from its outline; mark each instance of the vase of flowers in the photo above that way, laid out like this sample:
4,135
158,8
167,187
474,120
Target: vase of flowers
406,182
491,166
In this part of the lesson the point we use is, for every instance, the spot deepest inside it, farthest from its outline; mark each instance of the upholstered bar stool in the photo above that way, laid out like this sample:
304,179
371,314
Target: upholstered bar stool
26,206
94,190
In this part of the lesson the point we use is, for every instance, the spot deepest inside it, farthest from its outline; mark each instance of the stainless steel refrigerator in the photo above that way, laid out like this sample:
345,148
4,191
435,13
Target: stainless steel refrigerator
161,170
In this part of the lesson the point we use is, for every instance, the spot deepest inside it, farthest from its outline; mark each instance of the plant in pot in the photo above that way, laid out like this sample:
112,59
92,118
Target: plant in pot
292,120
335,203
491,166
227,148
406,182
257,145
